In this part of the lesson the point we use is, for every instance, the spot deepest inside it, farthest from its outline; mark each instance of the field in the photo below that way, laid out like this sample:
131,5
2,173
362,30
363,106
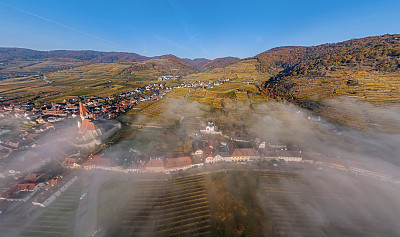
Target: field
293,201
65,85
57,220
100,79
178,206
242,70
378,88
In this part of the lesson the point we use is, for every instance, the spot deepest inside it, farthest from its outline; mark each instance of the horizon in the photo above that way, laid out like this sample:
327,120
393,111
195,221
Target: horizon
190,29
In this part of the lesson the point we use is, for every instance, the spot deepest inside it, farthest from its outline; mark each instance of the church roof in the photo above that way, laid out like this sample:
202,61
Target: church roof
88,125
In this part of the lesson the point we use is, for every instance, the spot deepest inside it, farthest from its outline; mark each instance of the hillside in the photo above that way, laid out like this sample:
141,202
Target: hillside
218,62
367,69
18,62
197,62
94,79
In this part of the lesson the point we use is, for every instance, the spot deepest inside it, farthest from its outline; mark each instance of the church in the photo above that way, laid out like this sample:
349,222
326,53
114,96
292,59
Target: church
90,132
87,129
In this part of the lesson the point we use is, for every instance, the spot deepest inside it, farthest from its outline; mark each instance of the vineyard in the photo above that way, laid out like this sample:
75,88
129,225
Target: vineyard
300,205
174,207
55,221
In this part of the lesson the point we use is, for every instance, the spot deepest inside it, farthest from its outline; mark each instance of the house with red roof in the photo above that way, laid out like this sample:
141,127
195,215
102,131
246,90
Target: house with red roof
179,163
70,162
155,165
97,162
245,154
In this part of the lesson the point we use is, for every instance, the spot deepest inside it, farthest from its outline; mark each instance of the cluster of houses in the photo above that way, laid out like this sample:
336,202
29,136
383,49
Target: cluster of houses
210,152
41,119
28,187
94,162
169,77
101,107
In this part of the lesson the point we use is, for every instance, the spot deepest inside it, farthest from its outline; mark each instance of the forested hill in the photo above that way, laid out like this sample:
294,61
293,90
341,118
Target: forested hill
20,54
366,69
218,62
371,53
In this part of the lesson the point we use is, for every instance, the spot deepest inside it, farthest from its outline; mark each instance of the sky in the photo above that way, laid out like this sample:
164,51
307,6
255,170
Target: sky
191,29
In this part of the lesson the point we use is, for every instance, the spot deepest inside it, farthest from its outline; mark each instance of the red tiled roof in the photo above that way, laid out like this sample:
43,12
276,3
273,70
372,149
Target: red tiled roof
245,152
31,177
88,125
208,151
26,186
96,160
178,162
155,163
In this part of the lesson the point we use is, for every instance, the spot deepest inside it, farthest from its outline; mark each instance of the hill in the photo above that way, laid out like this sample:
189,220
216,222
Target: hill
218,62
94,79
367,69
202,64
18,62
197,62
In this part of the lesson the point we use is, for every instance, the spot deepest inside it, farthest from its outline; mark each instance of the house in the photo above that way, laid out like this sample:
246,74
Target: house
210,129
97,162
289,155
278,146
53,181
70,162
209,154
223,156
21,192
260,143
155,165
245,154
53,111
269,155
179,163
198,152
31,177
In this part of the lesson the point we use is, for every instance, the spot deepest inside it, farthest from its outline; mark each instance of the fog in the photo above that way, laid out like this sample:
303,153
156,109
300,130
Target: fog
334,202
319,200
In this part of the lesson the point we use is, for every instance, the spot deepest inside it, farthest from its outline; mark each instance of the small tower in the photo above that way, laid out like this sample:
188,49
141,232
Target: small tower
84,113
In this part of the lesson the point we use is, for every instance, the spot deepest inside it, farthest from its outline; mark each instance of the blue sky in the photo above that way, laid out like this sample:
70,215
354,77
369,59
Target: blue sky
190,28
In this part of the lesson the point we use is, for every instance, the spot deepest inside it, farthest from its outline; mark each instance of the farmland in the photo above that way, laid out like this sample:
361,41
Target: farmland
178,206
56,220
99,79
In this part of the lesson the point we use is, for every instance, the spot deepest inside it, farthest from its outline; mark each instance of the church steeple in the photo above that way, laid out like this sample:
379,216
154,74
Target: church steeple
84,113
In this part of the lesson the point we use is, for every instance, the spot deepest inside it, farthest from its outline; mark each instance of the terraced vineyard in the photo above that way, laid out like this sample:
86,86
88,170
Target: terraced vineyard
56,220
168,208
300,208
378,88
242,69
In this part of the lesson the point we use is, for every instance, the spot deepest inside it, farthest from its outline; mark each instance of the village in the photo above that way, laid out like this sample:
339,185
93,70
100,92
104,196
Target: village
40,177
